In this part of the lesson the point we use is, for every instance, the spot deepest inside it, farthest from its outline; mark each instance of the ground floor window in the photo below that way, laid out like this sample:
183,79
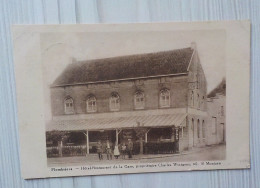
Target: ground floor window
160,134
203,130
198,128
214,125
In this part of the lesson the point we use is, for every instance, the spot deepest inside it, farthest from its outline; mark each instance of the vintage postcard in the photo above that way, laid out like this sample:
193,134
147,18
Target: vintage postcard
132,98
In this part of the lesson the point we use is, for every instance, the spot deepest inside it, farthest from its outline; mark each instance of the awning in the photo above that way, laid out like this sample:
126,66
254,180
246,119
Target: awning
151,121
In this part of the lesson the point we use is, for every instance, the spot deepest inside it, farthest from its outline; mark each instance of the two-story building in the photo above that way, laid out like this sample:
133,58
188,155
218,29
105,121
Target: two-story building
216,104
156,98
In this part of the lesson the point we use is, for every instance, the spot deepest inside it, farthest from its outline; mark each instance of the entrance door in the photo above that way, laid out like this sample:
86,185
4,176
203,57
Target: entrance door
222,131
193,132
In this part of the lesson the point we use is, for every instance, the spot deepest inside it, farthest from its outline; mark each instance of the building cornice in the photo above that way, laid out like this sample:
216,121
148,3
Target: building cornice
117,80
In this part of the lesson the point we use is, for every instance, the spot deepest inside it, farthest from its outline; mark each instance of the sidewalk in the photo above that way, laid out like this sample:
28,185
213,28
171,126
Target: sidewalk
203,153
193,150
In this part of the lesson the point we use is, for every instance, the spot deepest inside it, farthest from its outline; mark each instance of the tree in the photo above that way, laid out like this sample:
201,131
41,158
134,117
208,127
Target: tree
140,133
55,136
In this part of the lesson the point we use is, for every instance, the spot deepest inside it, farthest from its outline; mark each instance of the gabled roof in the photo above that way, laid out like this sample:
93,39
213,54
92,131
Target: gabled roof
221,89
126,67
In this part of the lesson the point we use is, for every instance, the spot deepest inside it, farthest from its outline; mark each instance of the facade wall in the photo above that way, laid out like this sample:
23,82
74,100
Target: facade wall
126,91
197,130
197,101
186,91
216,119
184,138
197,85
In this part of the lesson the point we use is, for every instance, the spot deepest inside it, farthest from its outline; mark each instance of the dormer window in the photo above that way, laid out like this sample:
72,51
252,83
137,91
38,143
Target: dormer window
164,98
139,100
114,102
68,106
91,104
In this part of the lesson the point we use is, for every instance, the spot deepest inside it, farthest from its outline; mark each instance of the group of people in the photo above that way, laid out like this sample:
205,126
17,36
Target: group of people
122,149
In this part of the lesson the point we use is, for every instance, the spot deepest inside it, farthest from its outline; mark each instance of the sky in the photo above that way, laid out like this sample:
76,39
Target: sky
58,49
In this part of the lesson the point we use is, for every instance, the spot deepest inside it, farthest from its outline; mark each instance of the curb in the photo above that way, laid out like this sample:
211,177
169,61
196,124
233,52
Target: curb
177,154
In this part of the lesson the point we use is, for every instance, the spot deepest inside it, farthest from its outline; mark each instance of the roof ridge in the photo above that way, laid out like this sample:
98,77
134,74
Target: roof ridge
126,67
131,55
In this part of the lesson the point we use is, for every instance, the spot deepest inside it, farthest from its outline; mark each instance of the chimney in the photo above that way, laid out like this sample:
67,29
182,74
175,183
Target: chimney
193,45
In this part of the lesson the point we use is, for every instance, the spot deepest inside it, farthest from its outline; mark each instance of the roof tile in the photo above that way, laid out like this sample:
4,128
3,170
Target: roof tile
126,67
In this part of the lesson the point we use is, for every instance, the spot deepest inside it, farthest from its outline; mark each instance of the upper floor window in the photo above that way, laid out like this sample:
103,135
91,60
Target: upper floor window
139,100
192,98
68,105
222,110
198,98
165,98
91,104
114,102
202,102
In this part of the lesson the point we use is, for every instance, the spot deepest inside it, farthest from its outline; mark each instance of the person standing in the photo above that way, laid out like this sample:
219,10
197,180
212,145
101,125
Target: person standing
108,150
116,151
130,146
123,150
100,150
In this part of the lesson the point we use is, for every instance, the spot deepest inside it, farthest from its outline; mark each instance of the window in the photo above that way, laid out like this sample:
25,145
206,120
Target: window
198,81
139,100
68,105
214,125
192,124
193,131
198,98
202,102
198,129
114,102
222,111
91,104
203,130
165,98
192,98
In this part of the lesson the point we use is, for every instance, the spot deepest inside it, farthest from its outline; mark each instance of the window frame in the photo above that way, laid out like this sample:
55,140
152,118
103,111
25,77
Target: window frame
222,111
214,125
115,97
169,98
198,98
91,99
138,107
203,130
69,109
192,98
198,129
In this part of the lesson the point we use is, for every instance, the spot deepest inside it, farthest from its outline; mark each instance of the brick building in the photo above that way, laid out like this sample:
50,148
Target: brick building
156,99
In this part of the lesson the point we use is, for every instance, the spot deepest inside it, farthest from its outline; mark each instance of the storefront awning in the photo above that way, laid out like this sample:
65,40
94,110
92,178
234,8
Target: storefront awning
149,121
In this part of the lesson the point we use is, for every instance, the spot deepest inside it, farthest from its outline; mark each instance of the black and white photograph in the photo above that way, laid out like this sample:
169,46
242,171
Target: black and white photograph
124,100
147,107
